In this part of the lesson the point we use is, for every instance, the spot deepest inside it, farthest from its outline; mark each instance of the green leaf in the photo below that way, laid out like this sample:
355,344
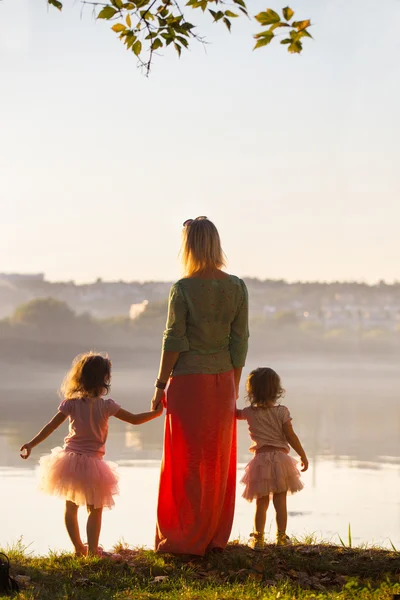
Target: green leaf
56,3
296,36
216,15
128,20
146,15
117,3
174,20
277,25
300,25
240,3
227,23
182,31
157,44
287,13
268,18
295,47
118,27
200,4
130,40
229,13
264,40
286,41
137,47
183,41
129,6
263,34
107,12
187,27
178,48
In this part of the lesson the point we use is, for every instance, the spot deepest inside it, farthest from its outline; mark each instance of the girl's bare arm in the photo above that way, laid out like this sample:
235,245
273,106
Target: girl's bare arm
239,415
128,417
47,430
295,444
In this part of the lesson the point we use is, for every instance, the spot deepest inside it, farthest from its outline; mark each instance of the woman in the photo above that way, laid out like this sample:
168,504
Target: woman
204,348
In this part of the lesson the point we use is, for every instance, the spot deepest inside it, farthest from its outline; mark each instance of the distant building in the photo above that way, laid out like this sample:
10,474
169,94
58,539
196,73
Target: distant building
16,277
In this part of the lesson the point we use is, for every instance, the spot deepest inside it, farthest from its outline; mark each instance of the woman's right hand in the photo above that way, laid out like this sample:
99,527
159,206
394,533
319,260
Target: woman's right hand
158,399
27,448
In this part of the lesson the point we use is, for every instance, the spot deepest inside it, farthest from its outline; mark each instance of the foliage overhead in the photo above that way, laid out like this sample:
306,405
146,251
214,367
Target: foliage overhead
148,26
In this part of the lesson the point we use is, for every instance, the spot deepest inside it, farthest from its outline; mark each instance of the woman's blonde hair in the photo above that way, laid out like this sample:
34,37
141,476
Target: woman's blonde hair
89,376
264,387
201,246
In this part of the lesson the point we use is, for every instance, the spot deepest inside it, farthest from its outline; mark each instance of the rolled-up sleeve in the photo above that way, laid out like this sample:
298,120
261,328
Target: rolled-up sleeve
175,339
239,338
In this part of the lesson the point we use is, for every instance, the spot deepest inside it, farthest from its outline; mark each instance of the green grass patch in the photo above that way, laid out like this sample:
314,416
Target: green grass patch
305,571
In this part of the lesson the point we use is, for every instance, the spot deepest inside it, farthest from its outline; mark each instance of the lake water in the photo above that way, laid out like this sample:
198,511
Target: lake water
346,414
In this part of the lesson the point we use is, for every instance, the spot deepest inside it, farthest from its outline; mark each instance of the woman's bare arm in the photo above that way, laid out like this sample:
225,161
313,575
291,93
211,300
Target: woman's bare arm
295,443
237,373
47,430
167,363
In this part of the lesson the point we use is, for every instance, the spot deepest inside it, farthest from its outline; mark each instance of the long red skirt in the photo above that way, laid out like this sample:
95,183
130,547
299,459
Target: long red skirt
196,498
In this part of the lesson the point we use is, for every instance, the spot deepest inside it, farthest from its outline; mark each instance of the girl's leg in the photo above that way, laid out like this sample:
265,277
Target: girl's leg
71,523
93,528
281,512
261,514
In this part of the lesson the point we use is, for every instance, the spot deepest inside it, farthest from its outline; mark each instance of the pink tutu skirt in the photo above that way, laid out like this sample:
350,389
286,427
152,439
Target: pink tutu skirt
271,473
79,478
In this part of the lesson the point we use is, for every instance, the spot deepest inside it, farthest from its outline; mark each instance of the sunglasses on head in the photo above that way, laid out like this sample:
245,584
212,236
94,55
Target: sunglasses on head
190,221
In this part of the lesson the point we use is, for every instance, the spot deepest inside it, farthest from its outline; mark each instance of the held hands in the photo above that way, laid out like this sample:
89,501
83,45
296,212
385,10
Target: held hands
158,411
27,448
158,401
304,463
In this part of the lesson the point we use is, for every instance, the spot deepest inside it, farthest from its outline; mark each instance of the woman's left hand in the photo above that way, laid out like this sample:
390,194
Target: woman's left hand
158,399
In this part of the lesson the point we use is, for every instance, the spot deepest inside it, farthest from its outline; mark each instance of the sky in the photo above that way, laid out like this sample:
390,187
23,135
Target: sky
295,158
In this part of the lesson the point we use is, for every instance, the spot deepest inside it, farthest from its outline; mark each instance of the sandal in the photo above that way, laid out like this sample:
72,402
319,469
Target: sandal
256,542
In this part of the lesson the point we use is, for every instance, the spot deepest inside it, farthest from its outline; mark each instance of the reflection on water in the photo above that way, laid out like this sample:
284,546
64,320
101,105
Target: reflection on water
343,495
346,415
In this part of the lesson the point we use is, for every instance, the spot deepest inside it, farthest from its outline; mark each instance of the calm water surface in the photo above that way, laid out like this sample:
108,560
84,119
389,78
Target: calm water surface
347,417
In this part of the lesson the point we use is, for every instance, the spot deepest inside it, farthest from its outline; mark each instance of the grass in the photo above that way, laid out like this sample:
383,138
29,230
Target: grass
305,571
349,538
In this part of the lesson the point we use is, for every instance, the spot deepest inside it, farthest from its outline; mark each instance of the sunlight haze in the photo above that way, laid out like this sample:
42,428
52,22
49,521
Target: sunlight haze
295,158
